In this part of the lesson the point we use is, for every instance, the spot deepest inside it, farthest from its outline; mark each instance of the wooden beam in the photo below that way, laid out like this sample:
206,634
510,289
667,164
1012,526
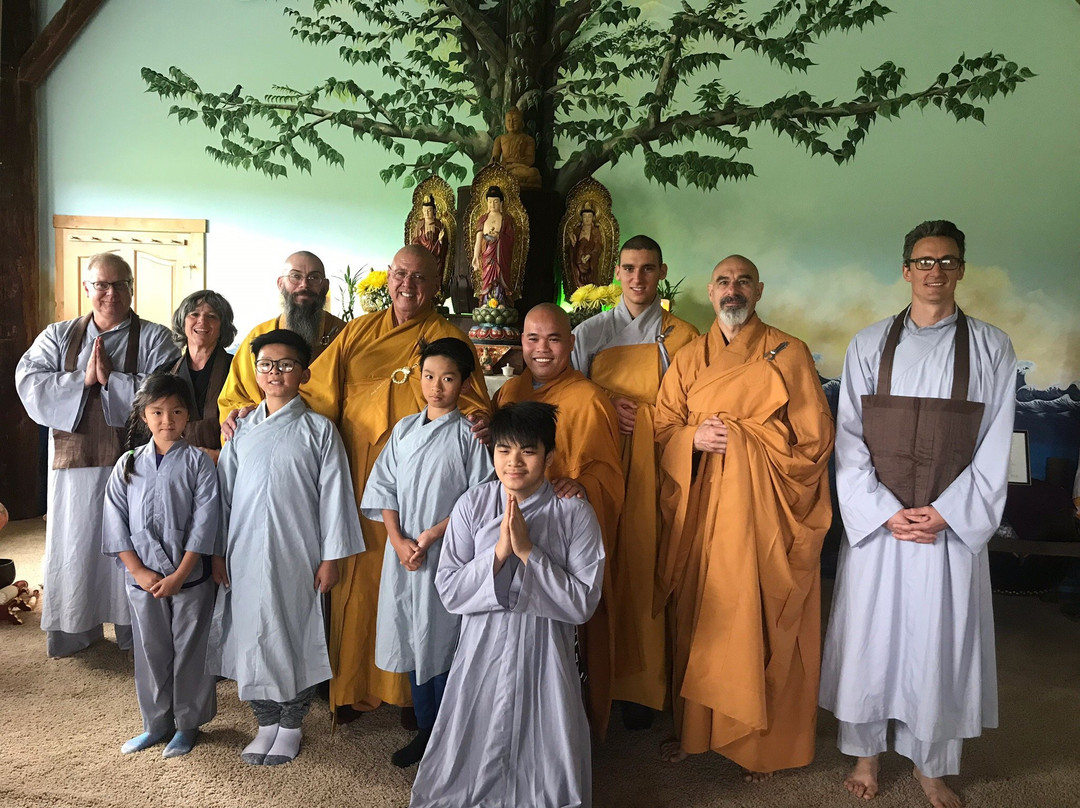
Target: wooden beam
19,276
54,40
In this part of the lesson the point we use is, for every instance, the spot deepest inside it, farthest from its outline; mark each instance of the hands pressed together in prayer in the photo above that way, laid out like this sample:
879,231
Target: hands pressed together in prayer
711,436
513,535
99,366
919,525
626,410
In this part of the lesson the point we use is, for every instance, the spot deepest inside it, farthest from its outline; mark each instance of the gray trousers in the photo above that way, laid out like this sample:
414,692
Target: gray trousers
932,758
170,657
66,643
288,714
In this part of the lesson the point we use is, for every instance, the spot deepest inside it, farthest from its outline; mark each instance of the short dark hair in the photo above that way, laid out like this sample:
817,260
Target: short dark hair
283,336
454,349
644,243
527,423
215,301
155,387
929,229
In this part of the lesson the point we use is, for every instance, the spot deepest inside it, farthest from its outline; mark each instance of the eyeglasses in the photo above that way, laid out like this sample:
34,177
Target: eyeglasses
401,276
104,286
283,365
948,263
297,278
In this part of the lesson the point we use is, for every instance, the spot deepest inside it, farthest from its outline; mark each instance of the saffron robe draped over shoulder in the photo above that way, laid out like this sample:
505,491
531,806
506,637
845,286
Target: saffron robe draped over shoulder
622,355
241,388
743,534
366,381
512,732
911,633
587,450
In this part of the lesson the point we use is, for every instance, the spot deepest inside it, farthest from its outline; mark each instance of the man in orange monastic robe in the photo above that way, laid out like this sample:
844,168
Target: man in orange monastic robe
366,381
627,351
745,434
586,464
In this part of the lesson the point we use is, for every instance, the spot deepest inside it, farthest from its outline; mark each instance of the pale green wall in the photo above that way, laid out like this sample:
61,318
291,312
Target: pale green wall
827,238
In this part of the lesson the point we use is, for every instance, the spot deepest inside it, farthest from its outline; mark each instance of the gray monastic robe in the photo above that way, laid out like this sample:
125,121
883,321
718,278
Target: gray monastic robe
83,588
615,327
287,506
911,635
512,730
420,473
165,511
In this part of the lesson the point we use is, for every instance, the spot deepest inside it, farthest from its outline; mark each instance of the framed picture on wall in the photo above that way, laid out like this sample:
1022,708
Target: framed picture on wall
1020,459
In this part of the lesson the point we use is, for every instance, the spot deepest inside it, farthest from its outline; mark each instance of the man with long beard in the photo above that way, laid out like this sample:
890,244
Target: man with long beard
744,435
303,285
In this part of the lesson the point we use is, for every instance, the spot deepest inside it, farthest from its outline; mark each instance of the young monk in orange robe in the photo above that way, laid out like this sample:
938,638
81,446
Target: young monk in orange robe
627,351
745,435
586,464
366,381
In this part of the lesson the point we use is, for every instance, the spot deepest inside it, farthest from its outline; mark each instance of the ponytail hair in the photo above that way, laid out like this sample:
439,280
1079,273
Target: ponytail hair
155,387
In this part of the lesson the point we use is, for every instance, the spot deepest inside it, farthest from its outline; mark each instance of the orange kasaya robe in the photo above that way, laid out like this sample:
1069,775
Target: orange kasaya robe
742,541
587,450
366,381
642,667
241,388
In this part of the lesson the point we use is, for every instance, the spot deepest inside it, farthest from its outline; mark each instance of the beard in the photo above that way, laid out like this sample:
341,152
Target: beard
734,317
305,318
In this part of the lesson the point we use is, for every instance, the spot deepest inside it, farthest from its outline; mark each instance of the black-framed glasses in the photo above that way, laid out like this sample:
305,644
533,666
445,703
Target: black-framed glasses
283,365
296,278
104,286
926,263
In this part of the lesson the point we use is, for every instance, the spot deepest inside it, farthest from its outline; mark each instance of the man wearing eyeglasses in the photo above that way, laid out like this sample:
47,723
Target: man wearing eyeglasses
365,382
79,379
923,433
303,285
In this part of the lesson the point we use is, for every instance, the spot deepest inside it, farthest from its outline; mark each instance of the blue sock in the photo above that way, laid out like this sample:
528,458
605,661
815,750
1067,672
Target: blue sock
141,742
181,743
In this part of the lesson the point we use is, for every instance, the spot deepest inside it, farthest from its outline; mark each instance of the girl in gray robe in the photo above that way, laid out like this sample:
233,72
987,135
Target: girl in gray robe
160,521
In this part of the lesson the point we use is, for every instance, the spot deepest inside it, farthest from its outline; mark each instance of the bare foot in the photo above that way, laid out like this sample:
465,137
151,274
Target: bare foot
939,794
755,777
671,751
862,780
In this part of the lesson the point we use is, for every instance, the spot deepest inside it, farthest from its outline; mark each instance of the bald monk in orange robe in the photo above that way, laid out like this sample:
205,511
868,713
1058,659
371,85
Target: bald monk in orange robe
627,351
745,435
366,381
586,464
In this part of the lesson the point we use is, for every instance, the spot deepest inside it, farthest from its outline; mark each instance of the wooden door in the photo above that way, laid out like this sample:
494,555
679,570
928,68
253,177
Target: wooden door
166,255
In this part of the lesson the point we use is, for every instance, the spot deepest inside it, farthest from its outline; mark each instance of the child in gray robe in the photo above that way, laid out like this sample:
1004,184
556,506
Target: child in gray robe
161,521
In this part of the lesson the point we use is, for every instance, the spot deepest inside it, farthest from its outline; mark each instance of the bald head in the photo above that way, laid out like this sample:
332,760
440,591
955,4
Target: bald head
418,256
734,290
412,281
546,341
305,262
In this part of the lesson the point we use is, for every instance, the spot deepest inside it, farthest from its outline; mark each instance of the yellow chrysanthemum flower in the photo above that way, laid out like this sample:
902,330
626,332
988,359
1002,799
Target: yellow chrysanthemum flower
371,281
493,303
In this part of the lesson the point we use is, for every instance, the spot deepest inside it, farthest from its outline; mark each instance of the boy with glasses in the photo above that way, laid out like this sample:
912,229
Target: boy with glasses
288,514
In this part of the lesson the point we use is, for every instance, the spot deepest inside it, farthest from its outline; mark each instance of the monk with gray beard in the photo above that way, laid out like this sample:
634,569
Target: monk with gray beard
303,285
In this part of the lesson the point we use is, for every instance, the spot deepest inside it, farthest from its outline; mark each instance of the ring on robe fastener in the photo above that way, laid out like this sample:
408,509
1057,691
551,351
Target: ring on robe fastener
403,377
661,337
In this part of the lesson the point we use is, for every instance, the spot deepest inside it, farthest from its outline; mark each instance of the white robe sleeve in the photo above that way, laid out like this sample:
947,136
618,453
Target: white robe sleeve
568,594
203,534
339,522
973,503
466,582
226,472
865,503
51,396
381,486
115,524
156,348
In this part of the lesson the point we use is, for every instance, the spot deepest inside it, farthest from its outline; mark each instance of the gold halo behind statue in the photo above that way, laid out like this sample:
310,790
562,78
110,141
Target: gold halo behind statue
442,240
589,249
507,280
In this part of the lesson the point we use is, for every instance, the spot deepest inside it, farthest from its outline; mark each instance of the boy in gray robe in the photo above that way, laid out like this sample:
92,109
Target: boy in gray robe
288,514
522,567
432,458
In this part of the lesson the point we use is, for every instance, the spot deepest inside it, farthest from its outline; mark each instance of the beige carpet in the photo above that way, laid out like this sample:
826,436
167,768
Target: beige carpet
64,721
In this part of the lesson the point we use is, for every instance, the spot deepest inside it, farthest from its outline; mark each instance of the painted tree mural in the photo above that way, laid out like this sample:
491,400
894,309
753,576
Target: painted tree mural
597,80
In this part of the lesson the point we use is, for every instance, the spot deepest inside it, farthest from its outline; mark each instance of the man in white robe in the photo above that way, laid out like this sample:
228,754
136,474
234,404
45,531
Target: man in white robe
522,567
77,380
911,635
